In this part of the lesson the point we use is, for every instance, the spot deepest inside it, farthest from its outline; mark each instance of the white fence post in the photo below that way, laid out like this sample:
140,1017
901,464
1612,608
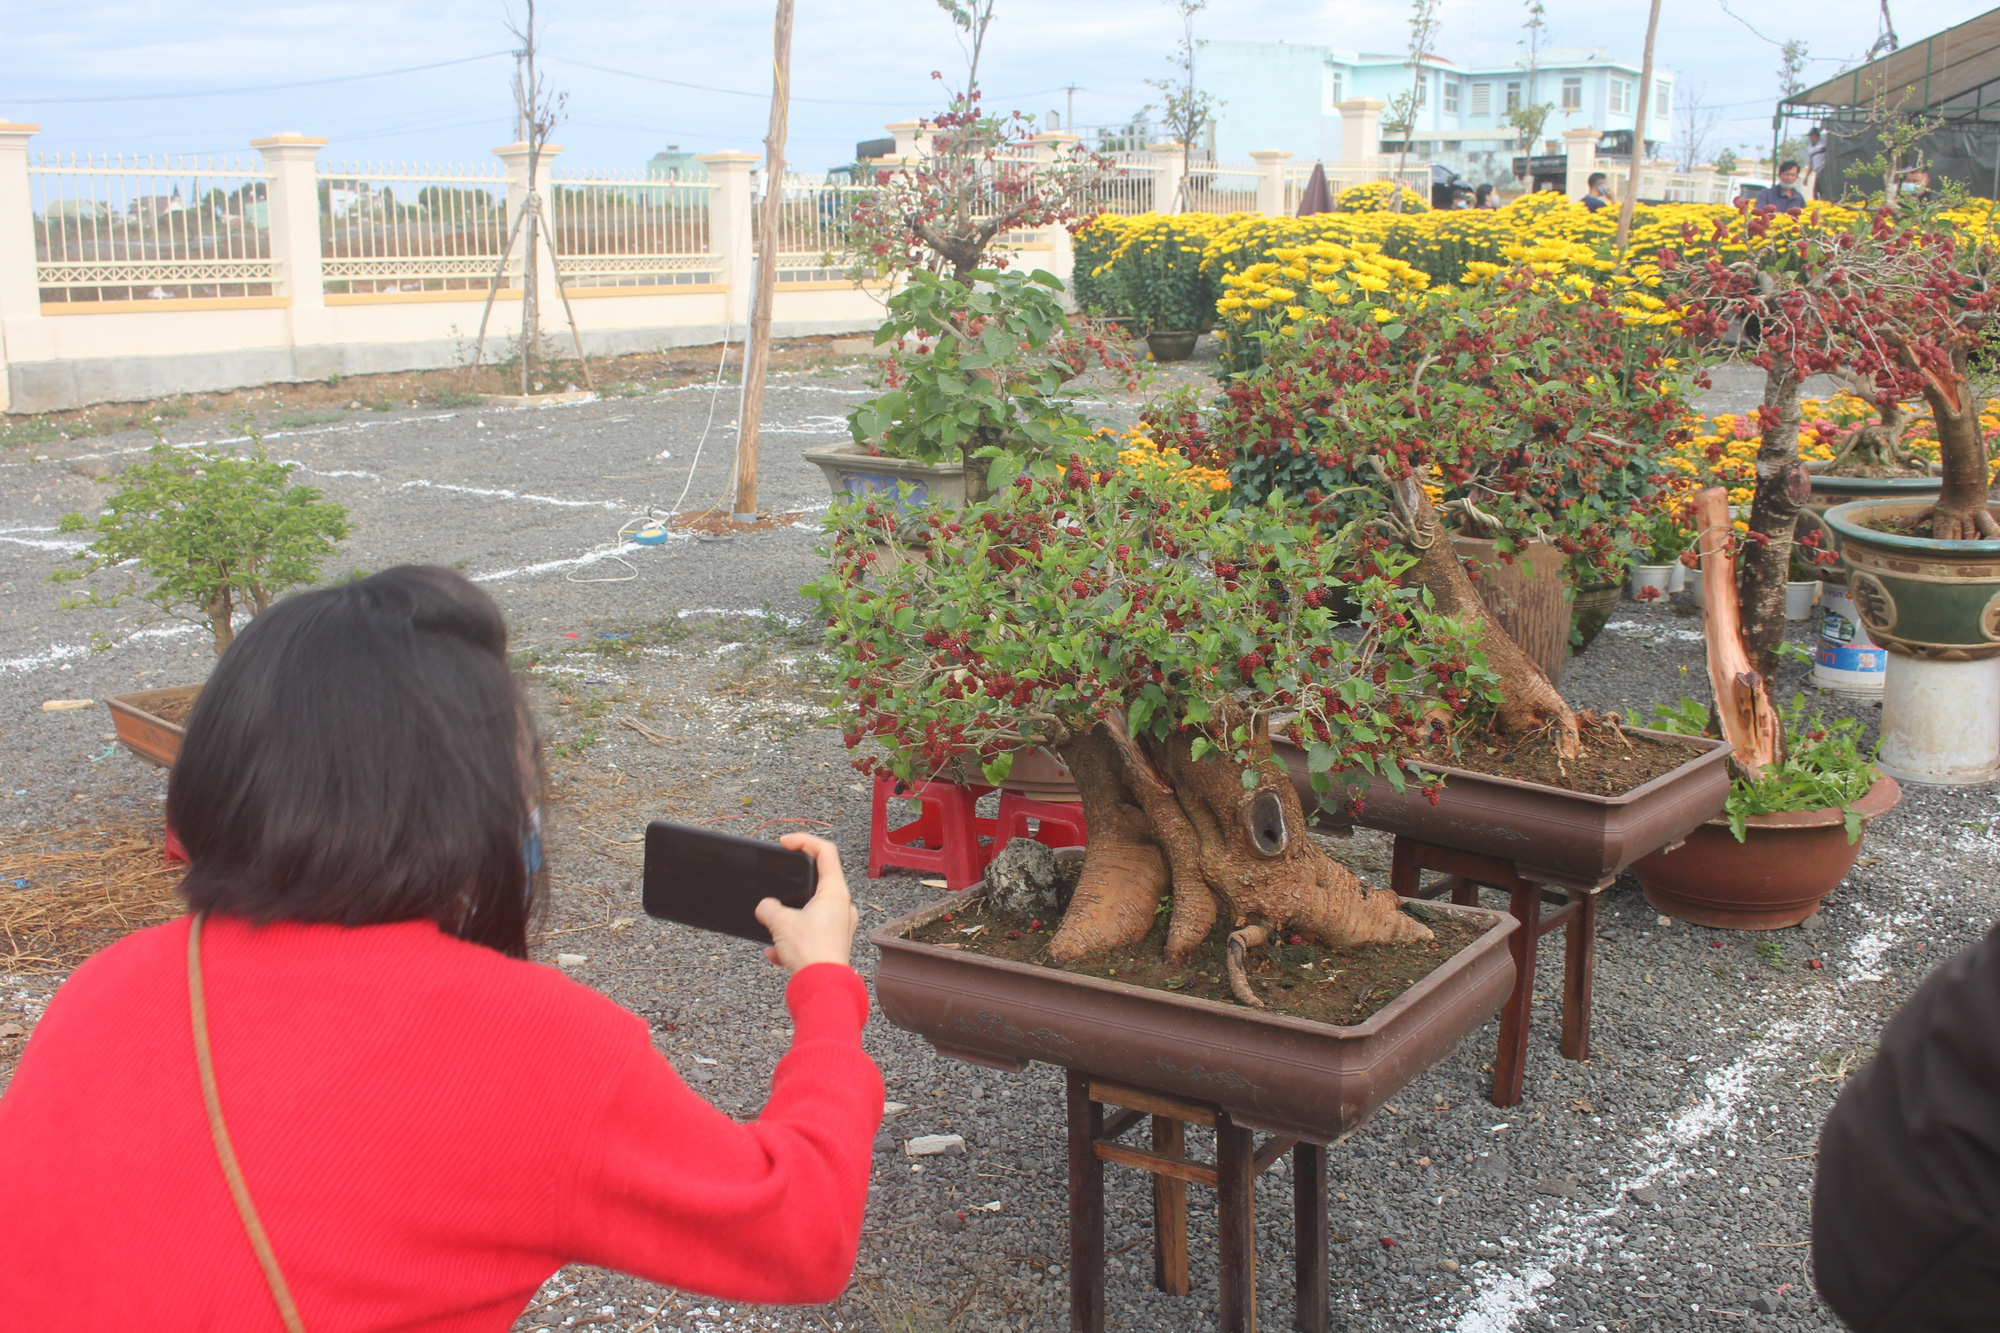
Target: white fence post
1050,148
1360,132
1581,148
1270,180
1168,174
514,157
729,225
292,197
20,294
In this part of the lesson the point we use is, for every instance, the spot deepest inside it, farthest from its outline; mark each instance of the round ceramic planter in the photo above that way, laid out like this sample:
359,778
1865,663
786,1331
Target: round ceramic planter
1828,492
1800,598
1171,346
909,484
1776,877
1916,595
1590,610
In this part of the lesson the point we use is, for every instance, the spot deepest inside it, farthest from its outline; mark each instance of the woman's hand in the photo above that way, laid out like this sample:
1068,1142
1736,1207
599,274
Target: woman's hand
823,930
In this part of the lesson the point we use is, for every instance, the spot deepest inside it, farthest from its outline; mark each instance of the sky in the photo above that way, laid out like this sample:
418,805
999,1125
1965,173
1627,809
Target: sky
204,77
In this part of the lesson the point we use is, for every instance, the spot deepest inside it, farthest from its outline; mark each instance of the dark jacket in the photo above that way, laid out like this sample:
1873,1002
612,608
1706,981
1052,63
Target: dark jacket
1784,198
1906,1208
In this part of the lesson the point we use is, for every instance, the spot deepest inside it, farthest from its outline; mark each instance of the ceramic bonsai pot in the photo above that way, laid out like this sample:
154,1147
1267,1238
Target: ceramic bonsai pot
1568,839
135,717
1528,594
1037,774
1590,610
1935,606
1828,492
1168,346
1776,877
849,471
1282,1075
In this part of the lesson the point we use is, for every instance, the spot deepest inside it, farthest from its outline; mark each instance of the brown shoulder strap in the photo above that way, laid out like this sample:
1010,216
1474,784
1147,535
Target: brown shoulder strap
233,1173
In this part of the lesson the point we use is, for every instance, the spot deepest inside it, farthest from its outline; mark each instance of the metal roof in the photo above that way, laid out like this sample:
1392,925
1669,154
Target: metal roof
1949,67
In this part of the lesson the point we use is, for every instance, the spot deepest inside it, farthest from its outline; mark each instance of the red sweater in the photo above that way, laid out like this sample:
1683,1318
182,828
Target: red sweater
427,1128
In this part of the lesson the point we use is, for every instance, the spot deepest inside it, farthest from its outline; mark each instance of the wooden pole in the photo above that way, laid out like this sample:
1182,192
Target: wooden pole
758,354
1638,133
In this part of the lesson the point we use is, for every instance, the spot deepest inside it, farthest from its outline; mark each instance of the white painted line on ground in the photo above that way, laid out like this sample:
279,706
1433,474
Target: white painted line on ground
499,493
578,562
59,653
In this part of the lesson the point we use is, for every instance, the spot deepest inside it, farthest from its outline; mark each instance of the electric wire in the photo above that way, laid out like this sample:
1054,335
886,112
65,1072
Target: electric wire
259,88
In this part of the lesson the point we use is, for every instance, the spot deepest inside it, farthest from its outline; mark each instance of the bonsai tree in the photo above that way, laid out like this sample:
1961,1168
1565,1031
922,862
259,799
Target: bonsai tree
1115,612
976,372
216,532
1532,404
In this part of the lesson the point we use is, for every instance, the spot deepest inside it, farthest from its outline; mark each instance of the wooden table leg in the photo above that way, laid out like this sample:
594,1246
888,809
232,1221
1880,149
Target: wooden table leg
1311,1313
1086,1209
1405,875
1511,1061
1236,1226
1579,968
1170,1231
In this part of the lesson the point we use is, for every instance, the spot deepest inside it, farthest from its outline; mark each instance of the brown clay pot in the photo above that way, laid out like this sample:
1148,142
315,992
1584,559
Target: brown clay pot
148,736
1565,838
1170,346
1283,1075
1037,774
1776,877
1527,595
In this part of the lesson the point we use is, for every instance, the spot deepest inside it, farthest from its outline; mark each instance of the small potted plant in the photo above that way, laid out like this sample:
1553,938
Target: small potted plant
1653,569
217,533
1785,838
1156,276
974,383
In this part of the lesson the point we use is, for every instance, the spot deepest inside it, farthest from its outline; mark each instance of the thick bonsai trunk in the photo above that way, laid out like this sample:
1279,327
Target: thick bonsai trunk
1875,448
1783,487
1960,514
1528,702
1161,819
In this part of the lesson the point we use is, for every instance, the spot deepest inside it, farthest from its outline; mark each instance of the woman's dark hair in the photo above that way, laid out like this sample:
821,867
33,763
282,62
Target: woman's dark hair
362,755
1480,195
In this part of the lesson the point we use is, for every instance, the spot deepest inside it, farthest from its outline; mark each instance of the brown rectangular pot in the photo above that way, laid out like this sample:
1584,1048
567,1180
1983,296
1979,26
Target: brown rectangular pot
1569,839
151,738
1287,1076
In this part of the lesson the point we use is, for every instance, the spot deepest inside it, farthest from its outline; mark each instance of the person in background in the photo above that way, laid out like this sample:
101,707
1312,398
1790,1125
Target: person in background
1816,161
1482,198
1785,195
1596,191
1906,1188
338,1095
1915,187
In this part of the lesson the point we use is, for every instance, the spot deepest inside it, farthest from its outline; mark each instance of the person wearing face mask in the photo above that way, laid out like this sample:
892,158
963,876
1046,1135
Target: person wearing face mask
1785,195
338,1094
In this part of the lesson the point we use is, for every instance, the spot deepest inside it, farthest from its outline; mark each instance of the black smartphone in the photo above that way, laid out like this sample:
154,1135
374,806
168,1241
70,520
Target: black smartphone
714,881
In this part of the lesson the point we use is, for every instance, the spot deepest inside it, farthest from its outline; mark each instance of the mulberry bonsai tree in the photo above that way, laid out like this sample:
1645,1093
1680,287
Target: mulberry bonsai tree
1119,614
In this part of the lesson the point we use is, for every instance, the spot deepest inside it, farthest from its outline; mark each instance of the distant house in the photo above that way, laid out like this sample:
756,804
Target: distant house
1282,95
677,165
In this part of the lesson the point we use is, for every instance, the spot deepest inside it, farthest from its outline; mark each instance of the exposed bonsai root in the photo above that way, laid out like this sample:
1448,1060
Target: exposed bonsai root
1959,524
1240,941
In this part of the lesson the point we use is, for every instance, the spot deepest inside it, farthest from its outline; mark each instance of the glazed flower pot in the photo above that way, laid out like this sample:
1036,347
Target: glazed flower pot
1678,577
912,485
1283,1075
1776,877
1651,583
1568,839
1171,346
138,720
1589,611
1828,492
1935,606
1527,595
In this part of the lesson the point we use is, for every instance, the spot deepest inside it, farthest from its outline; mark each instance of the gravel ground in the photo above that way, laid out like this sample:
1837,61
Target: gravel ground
1662,1184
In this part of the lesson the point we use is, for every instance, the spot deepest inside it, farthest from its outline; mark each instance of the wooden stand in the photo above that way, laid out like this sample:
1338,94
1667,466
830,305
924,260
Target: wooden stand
1093,1141
1464,874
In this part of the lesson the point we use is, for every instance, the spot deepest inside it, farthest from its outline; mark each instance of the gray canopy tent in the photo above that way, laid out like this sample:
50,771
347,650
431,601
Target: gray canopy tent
1952,77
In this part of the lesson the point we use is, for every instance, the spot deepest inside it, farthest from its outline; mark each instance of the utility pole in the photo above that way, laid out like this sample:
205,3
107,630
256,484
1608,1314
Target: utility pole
770,217
1638,132
1070,123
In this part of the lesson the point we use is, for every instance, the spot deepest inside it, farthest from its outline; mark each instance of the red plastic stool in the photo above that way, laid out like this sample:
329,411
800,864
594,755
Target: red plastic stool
174,850
944,838
1059,823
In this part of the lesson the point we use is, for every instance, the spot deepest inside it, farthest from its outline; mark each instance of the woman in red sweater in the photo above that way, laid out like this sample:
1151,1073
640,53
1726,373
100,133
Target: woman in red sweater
409,1125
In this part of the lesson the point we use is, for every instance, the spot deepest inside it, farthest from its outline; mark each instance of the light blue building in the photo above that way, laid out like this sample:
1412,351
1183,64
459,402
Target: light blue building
1284,95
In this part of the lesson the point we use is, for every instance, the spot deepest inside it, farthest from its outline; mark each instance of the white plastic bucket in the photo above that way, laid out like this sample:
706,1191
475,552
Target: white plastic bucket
1847,659
1680,577
1799,599
1941,721
1650,582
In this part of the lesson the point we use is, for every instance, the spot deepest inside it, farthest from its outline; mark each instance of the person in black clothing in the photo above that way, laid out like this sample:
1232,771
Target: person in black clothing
1594,196
1785,196
1906,1205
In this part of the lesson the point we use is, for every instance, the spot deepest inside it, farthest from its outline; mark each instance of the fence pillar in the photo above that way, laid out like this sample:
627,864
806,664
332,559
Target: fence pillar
1360,132
1169,172
911,141
1051,148
27,335
514,157
729,205
1580,146
1270,180
292,219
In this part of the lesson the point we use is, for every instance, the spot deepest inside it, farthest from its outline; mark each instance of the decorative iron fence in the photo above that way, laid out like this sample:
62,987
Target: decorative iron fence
1219,187
409,229
621,229
141,228
813,222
